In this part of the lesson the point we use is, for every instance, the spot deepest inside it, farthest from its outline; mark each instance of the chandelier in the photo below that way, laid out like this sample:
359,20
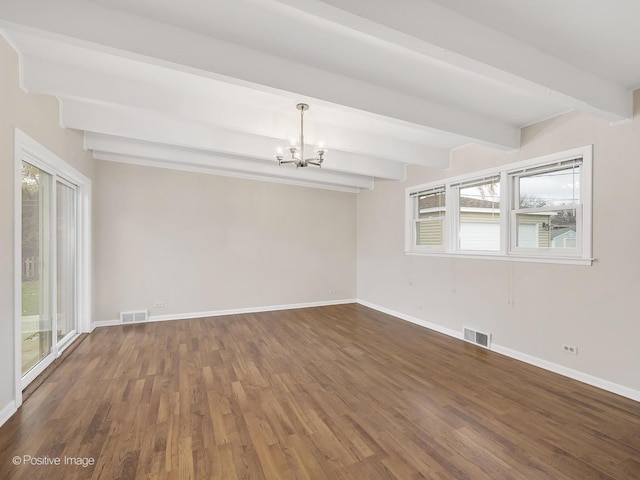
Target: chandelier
299,160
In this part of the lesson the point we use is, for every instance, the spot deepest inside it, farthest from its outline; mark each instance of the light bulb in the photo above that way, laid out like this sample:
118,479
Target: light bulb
321,149
292,140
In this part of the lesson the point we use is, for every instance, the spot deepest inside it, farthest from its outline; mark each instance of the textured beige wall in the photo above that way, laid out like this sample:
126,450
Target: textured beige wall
593,307
37,116
202,242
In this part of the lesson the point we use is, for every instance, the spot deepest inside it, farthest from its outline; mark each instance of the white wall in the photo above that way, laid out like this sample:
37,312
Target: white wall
205,243
37,116
595,308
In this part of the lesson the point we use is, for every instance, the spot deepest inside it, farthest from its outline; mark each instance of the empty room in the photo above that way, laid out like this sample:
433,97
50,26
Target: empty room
319,239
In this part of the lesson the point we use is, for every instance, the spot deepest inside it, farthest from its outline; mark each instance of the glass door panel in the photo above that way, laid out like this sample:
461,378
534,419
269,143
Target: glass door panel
36,266
65,260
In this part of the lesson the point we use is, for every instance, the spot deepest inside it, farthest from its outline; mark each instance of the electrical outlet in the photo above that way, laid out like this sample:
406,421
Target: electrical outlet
158,305
332,291
570,349
418,307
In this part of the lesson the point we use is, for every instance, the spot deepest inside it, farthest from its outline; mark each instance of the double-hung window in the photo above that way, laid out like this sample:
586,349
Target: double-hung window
428,213
547,213
533,210
478,214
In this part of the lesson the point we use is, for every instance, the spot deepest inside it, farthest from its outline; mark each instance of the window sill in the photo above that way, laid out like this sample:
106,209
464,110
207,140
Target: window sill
512,258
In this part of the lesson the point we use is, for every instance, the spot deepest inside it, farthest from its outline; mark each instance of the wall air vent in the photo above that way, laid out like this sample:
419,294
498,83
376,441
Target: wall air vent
476,337
136,316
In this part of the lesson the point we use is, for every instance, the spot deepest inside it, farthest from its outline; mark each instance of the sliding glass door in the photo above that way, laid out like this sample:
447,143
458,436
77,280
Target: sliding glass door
36,266
49,259
65,261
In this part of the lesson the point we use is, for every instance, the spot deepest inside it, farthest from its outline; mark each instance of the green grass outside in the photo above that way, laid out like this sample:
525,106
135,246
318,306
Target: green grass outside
30,297
30,342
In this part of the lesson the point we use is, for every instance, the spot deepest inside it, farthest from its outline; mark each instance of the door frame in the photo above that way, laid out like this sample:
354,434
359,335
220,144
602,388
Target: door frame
71,335
29,150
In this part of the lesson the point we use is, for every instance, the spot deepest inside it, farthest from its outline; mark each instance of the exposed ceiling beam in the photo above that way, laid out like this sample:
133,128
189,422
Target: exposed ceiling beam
69,82
205,162
162,44
169,153
435,31
151,127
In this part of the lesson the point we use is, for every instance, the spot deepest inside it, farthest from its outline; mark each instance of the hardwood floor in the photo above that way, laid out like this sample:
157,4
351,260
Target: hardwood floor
340,392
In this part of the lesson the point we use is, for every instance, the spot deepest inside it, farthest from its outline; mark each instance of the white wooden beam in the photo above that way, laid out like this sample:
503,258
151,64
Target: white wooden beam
384,155
206,162
156,128
435,32
162,44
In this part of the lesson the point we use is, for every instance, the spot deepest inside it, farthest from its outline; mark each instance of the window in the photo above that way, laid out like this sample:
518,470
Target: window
535,210
428,214
478,214
547,212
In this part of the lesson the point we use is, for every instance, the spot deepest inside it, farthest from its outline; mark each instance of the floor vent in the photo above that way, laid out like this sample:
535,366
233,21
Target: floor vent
137,316
478,338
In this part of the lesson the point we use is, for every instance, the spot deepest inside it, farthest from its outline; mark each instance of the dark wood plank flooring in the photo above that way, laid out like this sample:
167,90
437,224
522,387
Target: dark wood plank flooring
341,392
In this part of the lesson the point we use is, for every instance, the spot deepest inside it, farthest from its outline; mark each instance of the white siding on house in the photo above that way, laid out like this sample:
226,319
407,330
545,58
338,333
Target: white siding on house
430,232
479,236
528,235
479,230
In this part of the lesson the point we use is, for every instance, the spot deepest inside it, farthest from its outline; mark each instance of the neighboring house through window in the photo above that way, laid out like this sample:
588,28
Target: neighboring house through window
429,218
535,210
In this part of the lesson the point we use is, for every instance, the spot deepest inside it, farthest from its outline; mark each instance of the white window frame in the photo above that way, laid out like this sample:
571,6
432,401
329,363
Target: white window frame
454,189
581,255
412,211
28,150
515,209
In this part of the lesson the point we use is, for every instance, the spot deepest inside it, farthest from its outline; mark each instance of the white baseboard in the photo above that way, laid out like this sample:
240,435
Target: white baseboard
233,311
409,318
569,372
523,357
104,323
7,411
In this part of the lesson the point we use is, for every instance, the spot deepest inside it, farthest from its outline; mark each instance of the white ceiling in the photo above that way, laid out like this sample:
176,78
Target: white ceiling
211,85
